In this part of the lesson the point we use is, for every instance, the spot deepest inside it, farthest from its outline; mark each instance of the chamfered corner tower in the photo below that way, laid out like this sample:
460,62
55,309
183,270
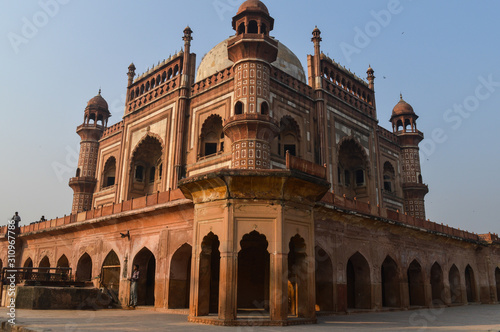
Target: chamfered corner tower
253,224
404,125
95,121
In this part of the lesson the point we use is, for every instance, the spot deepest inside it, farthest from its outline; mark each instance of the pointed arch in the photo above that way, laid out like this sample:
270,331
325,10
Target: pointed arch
297,276
241,28
212,136
84,268
144,139
62,261
416,287
253,272
263,28
391,291
264,108
147,272
324,280
28,262
359,294
209,275
437,284
470,284
109,173
253,27
353,168
455,288
179,278
44,262
110,274
389,176
145,161
239,108
289,136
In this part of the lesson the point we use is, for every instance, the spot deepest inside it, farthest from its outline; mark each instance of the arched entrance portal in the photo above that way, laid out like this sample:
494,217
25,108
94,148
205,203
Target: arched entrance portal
84,268
497,278
358,283
110,275
297,277
145,167
391,296
180,276
253,272
470,284
324,280
146,284
437,285
208,293
454,278
416,284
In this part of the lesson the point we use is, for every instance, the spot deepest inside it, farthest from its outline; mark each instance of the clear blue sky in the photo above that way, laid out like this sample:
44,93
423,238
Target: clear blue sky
438,54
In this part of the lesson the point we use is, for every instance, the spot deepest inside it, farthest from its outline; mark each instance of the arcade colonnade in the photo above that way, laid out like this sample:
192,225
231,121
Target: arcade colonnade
363,283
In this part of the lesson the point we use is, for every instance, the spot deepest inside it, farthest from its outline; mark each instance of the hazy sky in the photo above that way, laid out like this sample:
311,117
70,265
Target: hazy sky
443,56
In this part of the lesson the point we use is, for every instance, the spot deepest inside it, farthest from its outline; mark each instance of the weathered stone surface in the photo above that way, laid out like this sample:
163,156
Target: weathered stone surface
35,297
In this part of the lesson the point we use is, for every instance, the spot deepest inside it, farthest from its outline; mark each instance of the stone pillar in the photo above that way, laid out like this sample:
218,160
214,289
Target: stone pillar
228,287
279,287
404,293
203,296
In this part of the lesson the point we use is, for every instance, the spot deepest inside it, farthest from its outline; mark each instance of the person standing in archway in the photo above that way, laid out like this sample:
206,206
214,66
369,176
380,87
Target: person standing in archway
133,286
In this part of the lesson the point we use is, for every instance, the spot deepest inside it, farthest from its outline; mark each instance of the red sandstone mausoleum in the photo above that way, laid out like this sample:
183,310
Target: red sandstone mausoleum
248,185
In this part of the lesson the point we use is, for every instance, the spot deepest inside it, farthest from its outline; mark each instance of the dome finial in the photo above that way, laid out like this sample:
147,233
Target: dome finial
99,91
400,96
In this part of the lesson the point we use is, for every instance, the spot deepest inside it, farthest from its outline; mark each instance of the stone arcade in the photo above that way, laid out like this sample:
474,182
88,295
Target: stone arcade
251,192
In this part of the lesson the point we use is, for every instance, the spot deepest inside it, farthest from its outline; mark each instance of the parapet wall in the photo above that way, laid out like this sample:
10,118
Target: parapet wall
130,205
378,212
330,198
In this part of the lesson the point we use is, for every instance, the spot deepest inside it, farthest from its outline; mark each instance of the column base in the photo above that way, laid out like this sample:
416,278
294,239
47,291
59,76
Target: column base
214,320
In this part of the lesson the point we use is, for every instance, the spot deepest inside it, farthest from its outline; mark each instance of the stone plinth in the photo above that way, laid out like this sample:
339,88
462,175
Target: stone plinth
64,298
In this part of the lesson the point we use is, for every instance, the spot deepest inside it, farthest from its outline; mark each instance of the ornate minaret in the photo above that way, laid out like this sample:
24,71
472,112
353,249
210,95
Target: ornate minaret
251,126
130,75
404,125
183,105
95,121
370,77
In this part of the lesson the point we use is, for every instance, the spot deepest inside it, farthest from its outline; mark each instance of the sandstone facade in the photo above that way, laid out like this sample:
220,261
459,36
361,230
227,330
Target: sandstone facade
252,185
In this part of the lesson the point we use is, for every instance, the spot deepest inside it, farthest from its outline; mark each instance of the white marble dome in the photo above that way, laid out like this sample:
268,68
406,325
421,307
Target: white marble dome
217,60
